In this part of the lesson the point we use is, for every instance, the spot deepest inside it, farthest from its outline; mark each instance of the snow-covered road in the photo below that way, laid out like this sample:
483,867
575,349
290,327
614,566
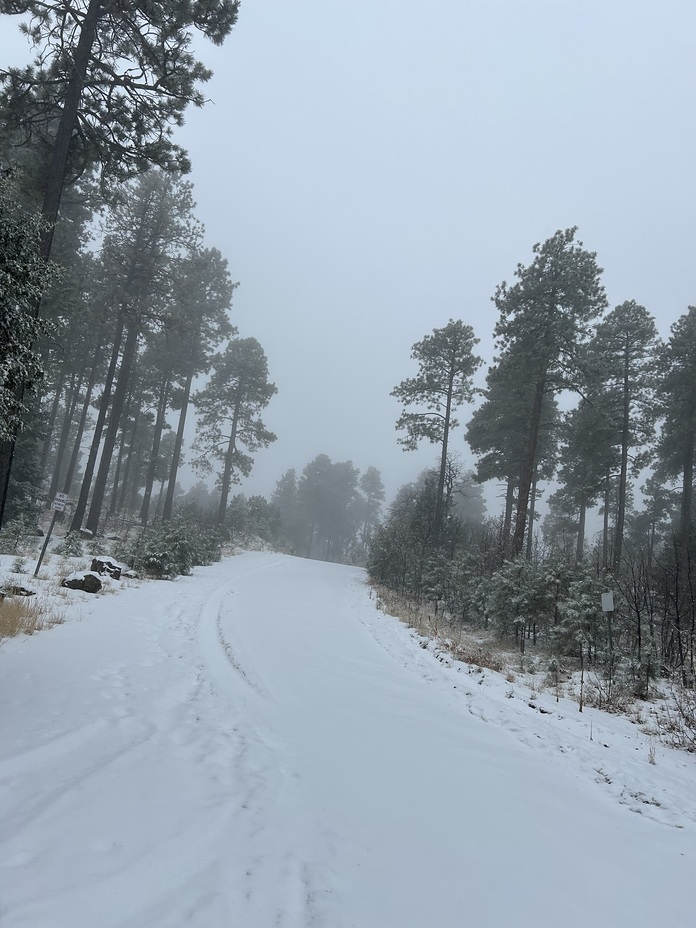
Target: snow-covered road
257,746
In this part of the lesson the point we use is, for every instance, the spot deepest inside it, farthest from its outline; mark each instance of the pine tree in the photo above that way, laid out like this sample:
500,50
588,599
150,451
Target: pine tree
446,365
372,490
498,431
203,296
677,393
24,277
108,84
624,353
146,233
546,316
285,500
229,425
327,497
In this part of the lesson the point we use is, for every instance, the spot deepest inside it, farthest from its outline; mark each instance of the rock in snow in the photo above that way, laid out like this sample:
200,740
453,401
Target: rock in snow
86,580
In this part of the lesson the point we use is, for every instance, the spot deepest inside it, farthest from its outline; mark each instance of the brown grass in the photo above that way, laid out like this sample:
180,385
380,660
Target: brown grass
20,615
451,636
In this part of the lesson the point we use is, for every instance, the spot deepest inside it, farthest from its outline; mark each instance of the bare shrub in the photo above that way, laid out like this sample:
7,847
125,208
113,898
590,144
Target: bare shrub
479,656
679,719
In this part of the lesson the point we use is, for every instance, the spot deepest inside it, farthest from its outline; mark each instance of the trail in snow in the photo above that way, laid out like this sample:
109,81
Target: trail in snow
257,746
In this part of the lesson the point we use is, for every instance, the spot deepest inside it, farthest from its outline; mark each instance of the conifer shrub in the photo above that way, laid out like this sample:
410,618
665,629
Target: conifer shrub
170,549
70,546
13,538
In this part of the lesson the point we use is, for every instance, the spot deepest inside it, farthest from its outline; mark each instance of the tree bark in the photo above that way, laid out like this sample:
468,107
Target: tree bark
50,427
119,461
117,405
72,466
623,476
54,189
439,502
605,524
65,434
687,492
154,455
130,457
580,549
527,472
227,473
532,514
66,126
171,486
81,506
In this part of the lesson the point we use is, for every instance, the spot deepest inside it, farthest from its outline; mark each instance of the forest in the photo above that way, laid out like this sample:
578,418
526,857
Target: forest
117,327
589,406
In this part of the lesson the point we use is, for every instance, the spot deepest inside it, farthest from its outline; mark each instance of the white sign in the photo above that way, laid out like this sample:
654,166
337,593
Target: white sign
607,602
59,502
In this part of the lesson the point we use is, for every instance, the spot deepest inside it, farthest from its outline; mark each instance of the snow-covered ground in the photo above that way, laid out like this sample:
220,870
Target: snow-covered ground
257,746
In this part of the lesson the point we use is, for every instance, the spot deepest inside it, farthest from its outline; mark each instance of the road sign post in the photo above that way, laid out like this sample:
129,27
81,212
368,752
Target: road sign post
58,505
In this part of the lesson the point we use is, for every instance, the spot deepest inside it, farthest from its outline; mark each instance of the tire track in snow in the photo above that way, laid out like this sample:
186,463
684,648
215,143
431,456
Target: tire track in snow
275,883
219,654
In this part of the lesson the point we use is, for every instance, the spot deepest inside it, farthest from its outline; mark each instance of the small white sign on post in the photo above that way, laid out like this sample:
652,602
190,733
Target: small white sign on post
607,602
59,502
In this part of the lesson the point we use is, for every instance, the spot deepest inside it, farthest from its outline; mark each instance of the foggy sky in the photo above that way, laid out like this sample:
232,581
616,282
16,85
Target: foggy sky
372,169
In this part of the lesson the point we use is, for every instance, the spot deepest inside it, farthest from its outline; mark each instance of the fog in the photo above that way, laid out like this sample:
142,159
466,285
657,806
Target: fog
372,169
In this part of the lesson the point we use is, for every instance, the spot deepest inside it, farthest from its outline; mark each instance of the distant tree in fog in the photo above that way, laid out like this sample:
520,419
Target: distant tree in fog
230,428
622,359
446,365
677,393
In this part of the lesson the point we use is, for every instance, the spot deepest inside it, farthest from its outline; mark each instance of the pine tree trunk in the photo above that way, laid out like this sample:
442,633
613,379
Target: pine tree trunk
687,493
154,456
580,549
176,456
160,499
527,472
532,516
130,457
135,478
65,434
120,393
66,125
509,502
623,476
227,473
439,503
50,427
72,466
605,525
81,506
119,460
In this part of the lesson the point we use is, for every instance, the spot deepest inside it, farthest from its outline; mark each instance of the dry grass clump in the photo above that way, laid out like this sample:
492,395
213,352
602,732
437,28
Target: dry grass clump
450,636
22,615
480,656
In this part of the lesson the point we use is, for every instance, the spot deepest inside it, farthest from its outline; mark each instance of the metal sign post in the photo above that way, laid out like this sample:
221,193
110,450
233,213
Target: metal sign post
608,610
57,506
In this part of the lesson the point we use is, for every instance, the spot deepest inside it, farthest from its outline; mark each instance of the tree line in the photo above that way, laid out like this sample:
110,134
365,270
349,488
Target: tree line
329,511
589,404
112,303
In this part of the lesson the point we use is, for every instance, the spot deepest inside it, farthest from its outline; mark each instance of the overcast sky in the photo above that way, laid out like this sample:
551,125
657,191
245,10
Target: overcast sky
374,168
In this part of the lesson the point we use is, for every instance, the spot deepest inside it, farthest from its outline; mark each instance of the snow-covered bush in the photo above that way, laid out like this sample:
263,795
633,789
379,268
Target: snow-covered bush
14,536
171,548
70,546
